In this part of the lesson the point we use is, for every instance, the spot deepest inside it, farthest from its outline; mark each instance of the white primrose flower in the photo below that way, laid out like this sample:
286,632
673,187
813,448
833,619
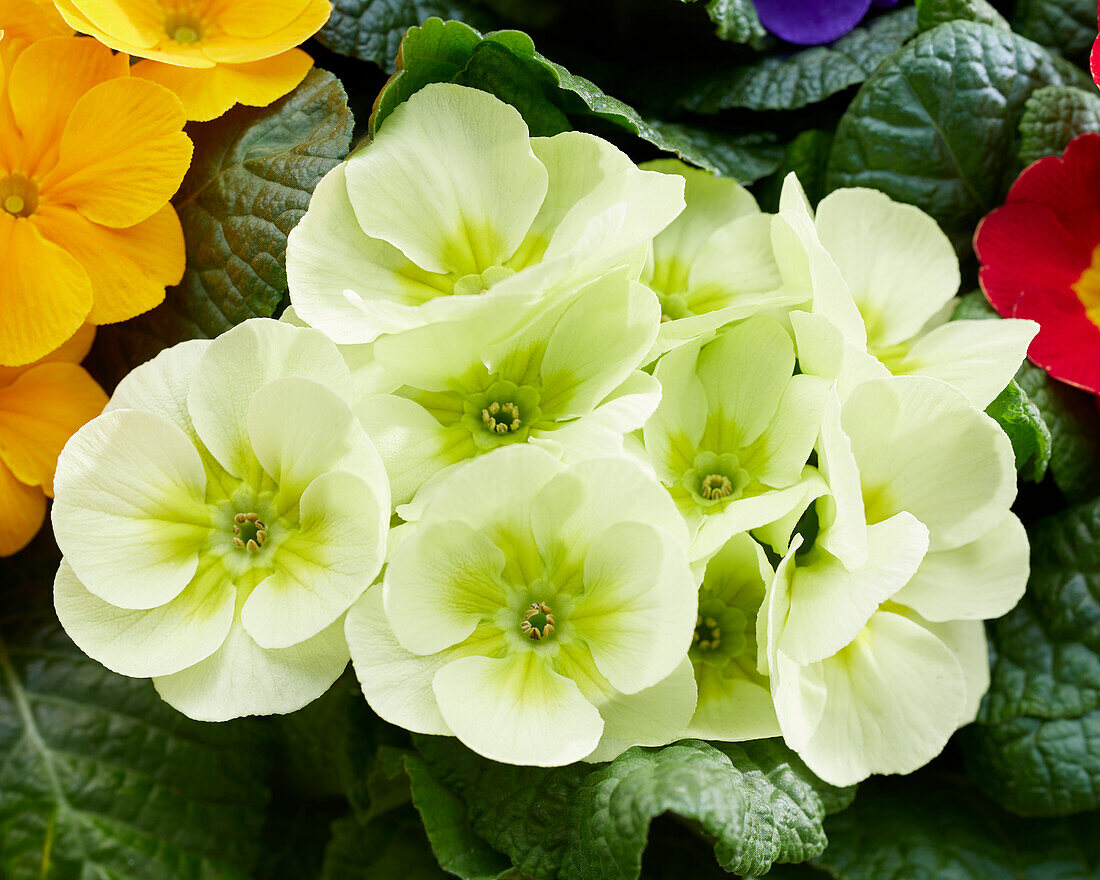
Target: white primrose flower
890,292
565,379
733,431
541,613
713,264
453,199
735,701
218,520
876,655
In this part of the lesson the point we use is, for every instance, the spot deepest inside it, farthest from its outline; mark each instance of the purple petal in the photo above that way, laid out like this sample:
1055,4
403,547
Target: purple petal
810,22
885,2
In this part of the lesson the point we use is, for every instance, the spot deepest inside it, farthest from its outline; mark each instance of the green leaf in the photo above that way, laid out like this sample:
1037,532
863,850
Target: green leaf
550,98
389,848
744,157
808,157
933,12
372,29
931,828
1023,423
789,82
934,125
735,20
1053,117
100,780
1067,26
757,802
251,178
1036,746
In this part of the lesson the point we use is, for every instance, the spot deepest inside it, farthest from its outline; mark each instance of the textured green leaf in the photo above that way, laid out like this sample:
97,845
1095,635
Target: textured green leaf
1053,117
372,29
250,182
550,98
744,157
756,802
808,157
101,780
928,828
1024,425
788,82
1068,26
933,12
1036,746
735,20
935,124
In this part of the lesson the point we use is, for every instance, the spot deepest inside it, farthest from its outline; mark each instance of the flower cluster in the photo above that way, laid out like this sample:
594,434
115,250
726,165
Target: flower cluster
658,464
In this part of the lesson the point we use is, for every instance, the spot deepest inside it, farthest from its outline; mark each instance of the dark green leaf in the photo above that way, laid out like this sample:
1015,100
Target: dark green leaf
392,847
372,29
295,837
1024,425
250,182
933,12
1053,117
756,802
1067,26
927,828
745,157
1036,746
808,157
934,125
788,82
735,20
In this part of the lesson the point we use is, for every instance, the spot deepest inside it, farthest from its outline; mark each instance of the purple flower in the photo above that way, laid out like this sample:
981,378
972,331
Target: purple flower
810,22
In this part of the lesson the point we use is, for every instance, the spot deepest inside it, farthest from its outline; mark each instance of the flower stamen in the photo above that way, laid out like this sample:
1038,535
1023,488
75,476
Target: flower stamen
501,418
248,532
538,621
716,486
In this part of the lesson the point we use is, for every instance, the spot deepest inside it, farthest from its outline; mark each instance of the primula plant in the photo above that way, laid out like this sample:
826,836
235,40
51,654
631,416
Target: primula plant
417,462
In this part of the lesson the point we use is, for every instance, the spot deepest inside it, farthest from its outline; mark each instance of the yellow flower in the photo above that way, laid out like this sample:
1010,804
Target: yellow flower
31,20
41,406
212,53
88,160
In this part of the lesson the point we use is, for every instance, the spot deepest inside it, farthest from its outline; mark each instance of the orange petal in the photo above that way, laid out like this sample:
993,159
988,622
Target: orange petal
207,94
129,268
22,512
145,33
123,154
228,49
72,351
254,18
45,294
32,20
46,81
39,412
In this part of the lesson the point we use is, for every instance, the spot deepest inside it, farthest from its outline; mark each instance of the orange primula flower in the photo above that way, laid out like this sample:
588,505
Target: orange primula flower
32,20
89,157
41,406
212,53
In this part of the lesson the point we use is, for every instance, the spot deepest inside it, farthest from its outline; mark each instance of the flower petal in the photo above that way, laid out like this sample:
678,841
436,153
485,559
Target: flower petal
673,433
778,455
39,411
22,512
160,386
122,154
449,179
144,643
229,48
241,678
811,22
517,710
129,513
967,641
396,682
129,268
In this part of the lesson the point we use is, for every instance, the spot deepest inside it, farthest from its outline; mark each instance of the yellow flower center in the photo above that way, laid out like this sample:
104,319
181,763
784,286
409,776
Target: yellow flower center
1087,288
716,486
184,26
18,195
538,621
248,532
501,418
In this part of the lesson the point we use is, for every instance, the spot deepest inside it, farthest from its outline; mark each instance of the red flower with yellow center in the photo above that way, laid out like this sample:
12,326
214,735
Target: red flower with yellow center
1040,256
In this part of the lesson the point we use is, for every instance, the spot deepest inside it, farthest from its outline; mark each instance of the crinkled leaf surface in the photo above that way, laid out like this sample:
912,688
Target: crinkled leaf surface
1068,26
931,828
756,801
1053,117
935,124
735,20
1036,746
933,12
101,780
791,81
249,184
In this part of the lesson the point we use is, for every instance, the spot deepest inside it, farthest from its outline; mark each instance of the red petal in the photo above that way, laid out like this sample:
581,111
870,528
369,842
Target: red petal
1068,345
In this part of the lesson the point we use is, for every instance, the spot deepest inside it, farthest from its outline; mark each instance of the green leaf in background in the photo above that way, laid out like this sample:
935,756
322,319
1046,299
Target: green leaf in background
1067,26
1024,425
735,20
250,182
792,81
934,126
756,802
506,64
372,29
1036,745
934,12
392,847
1053,117
101,780
931,828
744,157
808,157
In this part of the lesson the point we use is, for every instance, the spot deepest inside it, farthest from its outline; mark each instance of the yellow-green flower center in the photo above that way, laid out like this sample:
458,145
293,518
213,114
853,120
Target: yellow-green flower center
249,533
716,486
721,633
18,195
184,26
538,621
503,418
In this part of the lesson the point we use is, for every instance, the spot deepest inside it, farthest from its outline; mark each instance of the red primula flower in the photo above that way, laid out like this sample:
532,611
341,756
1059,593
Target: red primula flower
1040,256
